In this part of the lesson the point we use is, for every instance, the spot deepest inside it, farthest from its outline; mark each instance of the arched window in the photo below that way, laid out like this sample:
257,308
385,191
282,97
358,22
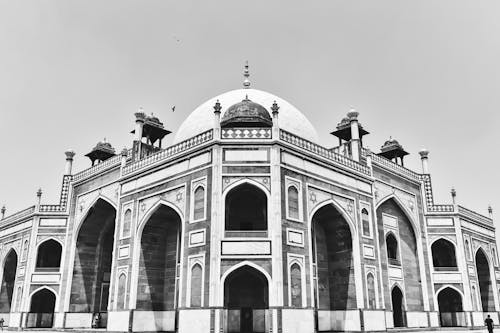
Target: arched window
246,209
370,282
365,220
199,203
443,255
25,250
127,221
494,255
293,202
49,255
122,291
296,285
474,299
18,299
467,250
392,249
196,280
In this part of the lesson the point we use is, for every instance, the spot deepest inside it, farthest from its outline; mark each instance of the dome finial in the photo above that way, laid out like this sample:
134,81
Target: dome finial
246,74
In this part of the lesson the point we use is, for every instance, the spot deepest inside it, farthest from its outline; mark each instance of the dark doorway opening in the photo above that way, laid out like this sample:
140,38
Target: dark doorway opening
485,288
450,308
398,314
41,313
246,300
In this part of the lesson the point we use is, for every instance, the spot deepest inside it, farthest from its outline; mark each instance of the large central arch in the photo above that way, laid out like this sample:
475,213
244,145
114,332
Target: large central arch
246,300
395,220
332,246
159,258
93,258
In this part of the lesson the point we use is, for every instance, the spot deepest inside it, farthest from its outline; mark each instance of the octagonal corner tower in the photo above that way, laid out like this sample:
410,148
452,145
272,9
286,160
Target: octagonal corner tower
291,119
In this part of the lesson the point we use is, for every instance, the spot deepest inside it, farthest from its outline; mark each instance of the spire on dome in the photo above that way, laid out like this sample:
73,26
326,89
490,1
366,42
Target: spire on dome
246,74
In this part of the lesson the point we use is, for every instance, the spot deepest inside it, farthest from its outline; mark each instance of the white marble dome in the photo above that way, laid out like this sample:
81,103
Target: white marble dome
202,118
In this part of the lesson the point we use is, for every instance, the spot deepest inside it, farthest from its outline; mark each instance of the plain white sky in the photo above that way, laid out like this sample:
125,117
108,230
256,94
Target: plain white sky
425,72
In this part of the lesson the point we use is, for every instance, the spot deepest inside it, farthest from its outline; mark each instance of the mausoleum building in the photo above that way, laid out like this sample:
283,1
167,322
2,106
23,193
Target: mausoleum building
246,223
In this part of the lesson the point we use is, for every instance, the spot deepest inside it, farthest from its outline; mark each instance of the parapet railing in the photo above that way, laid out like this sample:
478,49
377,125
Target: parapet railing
247,133
107,164
429,197
63,201
170,151
399,169
474,216
322,151
19,215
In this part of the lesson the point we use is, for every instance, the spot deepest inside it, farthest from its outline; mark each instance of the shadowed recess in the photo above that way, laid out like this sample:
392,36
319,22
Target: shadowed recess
332,248
93,256
159,256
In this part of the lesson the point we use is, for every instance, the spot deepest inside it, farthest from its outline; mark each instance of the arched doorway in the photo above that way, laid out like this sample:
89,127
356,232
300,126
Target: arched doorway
8,281
450,308
398,313
483,275
443,255
159,259
246,298
93,258
333,260
42,309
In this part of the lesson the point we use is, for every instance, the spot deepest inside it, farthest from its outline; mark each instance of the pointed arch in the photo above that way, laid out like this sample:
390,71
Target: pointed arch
411,253
86,212
451,287
484,274
159,250
94,239
9,274
157,205
245,289
8,253
246,206
443,254
450,303
398,306
245,181
408,214
340,209
49,254
335,223
42,307
246,263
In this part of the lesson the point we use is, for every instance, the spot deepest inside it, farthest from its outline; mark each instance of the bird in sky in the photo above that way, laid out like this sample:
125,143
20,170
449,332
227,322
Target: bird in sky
173,108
